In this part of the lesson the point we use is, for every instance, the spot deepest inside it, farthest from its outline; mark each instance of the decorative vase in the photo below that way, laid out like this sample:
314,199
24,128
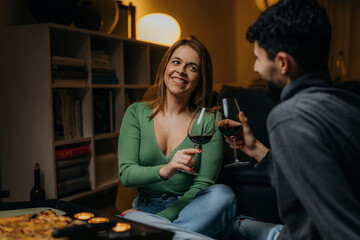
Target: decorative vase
88,16
121,28
56,11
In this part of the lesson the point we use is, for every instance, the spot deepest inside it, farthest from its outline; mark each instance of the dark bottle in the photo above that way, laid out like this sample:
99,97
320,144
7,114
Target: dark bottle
37,192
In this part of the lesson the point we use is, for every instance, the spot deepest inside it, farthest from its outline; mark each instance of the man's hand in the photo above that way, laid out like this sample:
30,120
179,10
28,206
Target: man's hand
246,141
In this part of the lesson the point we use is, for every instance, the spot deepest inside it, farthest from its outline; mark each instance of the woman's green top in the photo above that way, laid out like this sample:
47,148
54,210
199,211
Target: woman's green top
140,159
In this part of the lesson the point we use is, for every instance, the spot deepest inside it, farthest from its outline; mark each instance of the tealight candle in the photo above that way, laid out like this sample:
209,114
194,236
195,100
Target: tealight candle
83,215
121,227
99,220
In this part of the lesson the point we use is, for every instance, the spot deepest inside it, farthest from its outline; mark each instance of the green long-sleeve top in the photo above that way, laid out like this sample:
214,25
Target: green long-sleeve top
140,159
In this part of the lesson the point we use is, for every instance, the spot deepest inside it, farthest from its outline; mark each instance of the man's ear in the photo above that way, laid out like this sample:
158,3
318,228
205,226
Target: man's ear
285,63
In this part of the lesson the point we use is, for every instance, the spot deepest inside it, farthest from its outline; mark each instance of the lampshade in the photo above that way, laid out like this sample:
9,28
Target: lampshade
158,28
262,5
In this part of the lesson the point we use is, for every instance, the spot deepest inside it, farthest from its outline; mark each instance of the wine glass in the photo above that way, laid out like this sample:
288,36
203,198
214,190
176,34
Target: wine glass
202,127
228,109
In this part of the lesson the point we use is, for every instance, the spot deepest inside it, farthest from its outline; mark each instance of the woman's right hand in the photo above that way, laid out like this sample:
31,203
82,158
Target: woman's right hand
182,160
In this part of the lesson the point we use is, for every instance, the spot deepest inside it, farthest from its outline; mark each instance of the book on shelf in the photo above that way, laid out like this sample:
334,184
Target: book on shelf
72,152
70,81
108,72
103,110
78,118
59,73
102,71
67,111
99,54
67,61
59,132
70,172
99,62
73,186
66,119
68,70
72,162
105,80
104,76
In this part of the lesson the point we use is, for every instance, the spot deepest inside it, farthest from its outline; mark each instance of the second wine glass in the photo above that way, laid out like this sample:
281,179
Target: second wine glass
202,127
229,124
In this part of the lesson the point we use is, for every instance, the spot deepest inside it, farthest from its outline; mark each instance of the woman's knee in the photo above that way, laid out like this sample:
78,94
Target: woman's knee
221,193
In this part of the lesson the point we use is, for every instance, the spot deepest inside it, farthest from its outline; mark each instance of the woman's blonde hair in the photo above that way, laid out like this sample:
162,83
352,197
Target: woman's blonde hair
202,94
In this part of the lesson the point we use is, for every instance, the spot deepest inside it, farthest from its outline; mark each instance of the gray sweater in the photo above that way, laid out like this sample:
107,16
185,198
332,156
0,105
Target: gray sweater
315,159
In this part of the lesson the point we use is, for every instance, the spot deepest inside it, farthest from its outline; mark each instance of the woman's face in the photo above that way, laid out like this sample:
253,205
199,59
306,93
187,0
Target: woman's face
182,71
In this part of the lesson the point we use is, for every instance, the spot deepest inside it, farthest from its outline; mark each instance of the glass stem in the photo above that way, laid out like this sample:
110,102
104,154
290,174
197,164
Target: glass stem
235,153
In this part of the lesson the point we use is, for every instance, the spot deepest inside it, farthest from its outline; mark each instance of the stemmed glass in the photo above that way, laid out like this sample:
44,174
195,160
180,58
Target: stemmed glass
202,127
229,124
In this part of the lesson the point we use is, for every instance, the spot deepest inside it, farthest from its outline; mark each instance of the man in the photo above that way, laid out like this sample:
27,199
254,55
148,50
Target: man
314,133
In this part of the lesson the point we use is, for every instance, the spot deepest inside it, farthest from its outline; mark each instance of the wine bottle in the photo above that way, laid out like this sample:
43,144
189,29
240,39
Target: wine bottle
37,192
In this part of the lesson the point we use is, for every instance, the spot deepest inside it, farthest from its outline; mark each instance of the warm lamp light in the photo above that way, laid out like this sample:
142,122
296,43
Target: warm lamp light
158,28
262,5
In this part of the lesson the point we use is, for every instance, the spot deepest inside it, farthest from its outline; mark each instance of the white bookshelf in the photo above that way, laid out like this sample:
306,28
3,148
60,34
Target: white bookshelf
26,100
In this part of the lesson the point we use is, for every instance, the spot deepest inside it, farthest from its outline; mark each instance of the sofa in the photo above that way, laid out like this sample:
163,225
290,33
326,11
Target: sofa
255,196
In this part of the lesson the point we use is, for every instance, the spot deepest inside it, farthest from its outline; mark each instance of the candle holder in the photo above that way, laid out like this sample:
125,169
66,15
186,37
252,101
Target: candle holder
83,215
98,220
121,229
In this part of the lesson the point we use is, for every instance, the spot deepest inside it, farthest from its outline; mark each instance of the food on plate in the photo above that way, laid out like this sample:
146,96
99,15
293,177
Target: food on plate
34,226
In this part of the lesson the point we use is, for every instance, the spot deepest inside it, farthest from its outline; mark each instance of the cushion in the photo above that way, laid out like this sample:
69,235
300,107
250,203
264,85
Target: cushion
124,197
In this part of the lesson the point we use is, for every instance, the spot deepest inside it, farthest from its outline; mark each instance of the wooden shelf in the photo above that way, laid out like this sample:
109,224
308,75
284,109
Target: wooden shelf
106,136
70,85
72,141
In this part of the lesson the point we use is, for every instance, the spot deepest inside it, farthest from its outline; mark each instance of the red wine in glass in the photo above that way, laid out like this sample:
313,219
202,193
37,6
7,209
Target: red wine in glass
202,127
229,124
200,139
230,131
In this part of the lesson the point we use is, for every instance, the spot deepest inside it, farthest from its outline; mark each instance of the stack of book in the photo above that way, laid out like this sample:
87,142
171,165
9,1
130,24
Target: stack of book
102,71
68,70
72,170
67,114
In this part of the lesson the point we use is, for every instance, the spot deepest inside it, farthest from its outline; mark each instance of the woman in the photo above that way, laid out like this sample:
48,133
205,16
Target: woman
154,147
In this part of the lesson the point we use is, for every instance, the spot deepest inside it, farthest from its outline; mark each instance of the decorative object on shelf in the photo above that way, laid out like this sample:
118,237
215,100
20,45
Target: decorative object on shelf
121,28
262,5
132,12
88,16
109,12
158,28
57,11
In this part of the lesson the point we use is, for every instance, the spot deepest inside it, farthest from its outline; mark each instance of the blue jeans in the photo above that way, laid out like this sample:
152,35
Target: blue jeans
164,223
250,229
209,213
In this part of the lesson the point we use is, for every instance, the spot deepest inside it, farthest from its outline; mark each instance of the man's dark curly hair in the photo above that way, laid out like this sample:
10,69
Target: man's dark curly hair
299,27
